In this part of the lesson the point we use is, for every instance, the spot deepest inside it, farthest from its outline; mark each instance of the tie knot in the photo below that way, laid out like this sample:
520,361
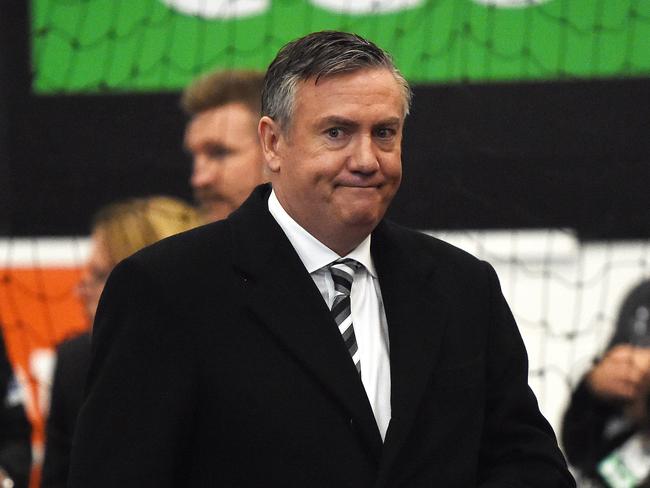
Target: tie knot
342,271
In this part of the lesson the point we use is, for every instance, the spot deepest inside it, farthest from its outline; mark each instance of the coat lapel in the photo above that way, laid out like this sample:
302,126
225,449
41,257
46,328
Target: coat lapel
416,313
282,297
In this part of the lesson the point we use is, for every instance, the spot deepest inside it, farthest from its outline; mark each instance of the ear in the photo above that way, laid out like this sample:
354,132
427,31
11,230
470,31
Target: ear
270,136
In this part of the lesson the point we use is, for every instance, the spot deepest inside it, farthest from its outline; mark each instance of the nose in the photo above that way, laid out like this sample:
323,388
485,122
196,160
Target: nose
364,158
201,172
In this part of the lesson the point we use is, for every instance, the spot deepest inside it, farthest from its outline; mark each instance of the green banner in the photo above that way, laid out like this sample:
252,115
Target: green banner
88,46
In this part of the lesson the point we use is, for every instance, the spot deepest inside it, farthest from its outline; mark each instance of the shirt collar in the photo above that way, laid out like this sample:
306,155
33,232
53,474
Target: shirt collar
313,253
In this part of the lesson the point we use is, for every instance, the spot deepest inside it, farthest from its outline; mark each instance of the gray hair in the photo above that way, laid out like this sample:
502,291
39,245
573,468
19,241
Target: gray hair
318,55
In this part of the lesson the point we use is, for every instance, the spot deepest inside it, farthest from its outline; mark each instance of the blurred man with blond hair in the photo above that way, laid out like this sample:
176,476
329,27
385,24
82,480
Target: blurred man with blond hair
223,109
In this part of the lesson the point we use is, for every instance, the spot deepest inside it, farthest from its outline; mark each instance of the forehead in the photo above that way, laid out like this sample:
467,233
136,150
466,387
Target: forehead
360,93
232,120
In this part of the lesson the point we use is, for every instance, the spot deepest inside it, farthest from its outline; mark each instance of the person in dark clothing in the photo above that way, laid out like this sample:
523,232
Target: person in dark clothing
254,351
607,418
73,358
119,230
15,429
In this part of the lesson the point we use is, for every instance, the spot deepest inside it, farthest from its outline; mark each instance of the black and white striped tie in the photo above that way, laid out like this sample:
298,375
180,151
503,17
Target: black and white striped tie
342,271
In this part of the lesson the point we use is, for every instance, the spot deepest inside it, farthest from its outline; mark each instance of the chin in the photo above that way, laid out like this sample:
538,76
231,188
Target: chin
360,218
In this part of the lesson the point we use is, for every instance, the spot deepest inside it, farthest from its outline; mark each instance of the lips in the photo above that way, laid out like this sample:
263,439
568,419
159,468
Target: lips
360,185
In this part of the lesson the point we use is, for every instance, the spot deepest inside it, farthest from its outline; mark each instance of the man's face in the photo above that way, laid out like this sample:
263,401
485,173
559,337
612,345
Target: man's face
227,158
338,165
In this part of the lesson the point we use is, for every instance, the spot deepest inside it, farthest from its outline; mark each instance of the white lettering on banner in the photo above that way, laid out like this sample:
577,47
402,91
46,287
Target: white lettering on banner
511,3
230,9
219,9
360,7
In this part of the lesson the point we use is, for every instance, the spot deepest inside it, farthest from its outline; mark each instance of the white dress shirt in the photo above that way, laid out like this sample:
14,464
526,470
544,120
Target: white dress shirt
366,304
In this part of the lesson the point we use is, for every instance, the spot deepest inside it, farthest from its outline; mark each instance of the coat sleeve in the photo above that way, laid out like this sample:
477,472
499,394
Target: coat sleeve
137,417
584,429
518,448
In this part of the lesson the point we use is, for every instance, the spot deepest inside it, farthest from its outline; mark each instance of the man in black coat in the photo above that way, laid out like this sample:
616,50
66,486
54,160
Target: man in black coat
304,341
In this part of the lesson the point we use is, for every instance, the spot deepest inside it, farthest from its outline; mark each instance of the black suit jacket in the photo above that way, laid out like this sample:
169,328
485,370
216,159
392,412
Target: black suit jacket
217,364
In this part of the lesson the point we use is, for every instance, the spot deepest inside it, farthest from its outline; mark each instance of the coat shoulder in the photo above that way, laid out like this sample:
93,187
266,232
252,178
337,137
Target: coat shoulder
200,243
178,267
417,245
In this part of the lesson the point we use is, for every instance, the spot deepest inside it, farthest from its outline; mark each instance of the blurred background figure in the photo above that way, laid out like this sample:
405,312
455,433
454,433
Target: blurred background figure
15,442
221,136
606,429
223,108
118,230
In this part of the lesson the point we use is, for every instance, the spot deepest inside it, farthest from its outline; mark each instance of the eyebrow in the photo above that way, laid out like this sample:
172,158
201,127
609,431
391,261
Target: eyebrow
345,122
338,121
209,146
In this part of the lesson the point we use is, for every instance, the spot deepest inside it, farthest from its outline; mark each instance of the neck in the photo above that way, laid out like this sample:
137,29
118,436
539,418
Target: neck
216,212
337,236
342,247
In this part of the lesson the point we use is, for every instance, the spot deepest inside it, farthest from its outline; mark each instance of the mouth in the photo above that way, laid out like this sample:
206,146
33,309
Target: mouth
362,186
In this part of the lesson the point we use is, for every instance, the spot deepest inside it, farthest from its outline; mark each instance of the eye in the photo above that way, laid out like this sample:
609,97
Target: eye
217,152
334,132
385,133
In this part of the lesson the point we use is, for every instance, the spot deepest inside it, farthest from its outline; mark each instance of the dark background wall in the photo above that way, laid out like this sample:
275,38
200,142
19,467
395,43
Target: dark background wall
570,154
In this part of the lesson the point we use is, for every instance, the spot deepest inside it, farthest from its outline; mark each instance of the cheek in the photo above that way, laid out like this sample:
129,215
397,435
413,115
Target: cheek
211,173
398,178
94,297
90,300
393,170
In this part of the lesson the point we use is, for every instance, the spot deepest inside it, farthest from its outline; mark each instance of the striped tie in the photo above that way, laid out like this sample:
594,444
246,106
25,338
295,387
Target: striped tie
342,271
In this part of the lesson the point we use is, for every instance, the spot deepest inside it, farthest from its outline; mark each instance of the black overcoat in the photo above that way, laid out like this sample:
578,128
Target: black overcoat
216,363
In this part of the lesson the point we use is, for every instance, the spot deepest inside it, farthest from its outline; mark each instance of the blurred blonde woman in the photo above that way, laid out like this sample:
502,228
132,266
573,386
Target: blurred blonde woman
122,228
118,230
